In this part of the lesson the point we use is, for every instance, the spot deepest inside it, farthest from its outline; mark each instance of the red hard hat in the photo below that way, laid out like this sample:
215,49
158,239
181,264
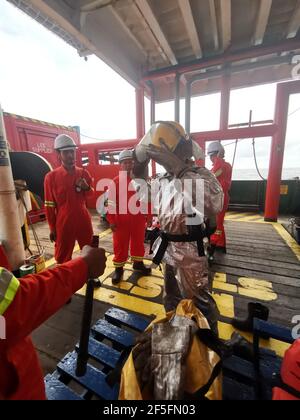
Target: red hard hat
290,372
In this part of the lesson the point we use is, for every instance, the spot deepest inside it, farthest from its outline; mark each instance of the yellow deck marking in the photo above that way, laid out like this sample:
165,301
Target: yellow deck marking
220,277
289,240
52,261
253,218
255,288
125,301
250,287
225,304
150,287
235,216
227,287
245,217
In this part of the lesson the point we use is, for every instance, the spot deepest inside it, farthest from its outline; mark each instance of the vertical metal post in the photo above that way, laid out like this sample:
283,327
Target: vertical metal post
188,107
152,102
177,98
140,112
277,154
225,100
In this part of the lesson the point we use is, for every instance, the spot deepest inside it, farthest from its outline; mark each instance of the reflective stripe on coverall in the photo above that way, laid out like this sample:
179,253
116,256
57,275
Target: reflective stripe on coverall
66,211
130,228
25,304
223,172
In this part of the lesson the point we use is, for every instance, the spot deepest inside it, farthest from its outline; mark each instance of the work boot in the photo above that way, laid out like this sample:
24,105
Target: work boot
140,266
255,310
221,249
240,347
117,276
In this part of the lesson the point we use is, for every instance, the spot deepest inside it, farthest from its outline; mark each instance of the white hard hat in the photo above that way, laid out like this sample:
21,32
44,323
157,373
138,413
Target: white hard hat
64,142
215,147
125,154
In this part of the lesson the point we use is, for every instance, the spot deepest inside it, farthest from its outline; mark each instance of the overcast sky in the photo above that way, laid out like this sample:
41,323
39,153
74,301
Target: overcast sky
42,77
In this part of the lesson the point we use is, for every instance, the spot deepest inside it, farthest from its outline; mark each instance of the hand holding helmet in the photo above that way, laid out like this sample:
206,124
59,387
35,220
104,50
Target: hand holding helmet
165,157
168,144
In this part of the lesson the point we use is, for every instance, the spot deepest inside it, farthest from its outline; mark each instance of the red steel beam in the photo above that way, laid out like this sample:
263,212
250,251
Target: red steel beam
236,133
228,57
284,90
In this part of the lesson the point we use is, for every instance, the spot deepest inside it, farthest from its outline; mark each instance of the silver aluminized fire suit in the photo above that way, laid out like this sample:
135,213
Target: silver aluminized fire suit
181,212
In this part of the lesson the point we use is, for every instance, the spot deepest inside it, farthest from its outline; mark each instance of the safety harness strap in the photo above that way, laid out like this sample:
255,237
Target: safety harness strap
196,235
210,340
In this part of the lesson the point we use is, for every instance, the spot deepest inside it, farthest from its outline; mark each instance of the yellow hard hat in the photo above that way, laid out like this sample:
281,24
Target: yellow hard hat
171,132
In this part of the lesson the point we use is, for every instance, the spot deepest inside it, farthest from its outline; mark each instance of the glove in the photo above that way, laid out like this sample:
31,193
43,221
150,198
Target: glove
142,359
140,169
165,157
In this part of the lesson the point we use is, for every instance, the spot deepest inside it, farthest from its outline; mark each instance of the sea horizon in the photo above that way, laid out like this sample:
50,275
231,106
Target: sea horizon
251,174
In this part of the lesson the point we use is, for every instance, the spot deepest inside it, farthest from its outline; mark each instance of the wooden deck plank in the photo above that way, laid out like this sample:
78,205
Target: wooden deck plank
268,255
260,266
240,272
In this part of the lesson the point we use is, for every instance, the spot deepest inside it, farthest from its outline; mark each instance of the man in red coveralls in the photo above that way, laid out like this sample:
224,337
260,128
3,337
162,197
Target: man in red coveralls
223,173
25,304
288,387
128,228
66,189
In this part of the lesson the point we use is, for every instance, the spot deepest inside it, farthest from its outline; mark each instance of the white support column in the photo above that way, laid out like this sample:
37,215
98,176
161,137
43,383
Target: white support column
10,230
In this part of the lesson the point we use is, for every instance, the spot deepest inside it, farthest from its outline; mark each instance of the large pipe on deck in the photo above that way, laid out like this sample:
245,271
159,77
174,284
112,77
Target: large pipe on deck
10,230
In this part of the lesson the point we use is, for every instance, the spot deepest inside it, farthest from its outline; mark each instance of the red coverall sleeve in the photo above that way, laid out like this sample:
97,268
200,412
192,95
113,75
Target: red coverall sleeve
50,204
41,295
217,169
112,202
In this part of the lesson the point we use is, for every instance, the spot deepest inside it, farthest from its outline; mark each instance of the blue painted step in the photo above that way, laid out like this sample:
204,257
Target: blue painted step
93,380
119,317
56,390
102,353
234,390
119,337
274,331
244,369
